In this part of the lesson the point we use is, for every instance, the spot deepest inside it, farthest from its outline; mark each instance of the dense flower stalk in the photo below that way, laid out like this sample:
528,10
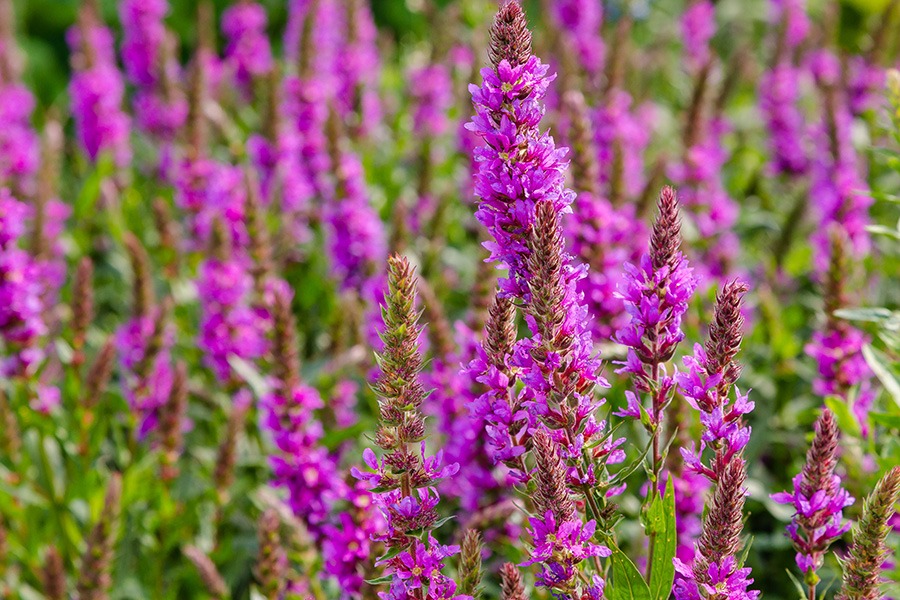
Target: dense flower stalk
98,91
838,180
19,144
95,581
356,239
171,424
837,347
818,500
602,236
862,567
230,325
470,570
711,373
622,132
151,66
581,21
511,587
22,290
300,465
53,575
698,25
779,95
247,49
144,344
715,570
404,479
698,177
656,296
561,540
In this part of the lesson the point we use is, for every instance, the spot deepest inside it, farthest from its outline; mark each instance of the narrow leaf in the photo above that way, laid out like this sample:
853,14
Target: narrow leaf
664,544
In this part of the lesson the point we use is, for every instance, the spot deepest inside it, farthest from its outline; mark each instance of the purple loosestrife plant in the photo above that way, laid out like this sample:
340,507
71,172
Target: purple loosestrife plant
706,385
715,570
581,22
656,296
98,91
698,25
779,95
561,540
837,177
523,198
356,240
622,133
247,50
300,465
818,500
837,347
404,480
19,144
229,325
602,236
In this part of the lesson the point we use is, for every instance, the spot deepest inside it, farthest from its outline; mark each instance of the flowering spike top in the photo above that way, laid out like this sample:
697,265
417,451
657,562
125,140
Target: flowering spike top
403,481
706,386
510,36
818,500
656,295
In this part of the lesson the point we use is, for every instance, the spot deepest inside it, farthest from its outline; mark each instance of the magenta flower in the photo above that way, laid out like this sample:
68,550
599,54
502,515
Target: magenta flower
698,25
579,21
247,50
779,95
144,36
724,581
19,144
229,325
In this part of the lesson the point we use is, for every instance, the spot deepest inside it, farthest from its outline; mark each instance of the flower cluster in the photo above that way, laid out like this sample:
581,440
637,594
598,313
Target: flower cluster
22,290
98,91
403,482
247,52
818,500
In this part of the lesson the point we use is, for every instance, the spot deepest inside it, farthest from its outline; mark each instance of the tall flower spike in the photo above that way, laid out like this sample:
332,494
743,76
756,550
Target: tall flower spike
711,373
818,500
95,581
226,457
82,306
551,493
405,478
716,573
171,423
656,297
862,567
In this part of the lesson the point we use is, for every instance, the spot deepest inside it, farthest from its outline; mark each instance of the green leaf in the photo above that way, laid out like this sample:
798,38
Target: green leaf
845,417
627,582
885,419
876,361
663,544
380,580
869,315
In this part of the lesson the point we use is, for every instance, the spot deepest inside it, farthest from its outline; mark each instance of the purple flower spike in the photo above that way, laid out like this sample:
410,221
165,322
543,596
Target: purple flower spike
247,51
818,500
